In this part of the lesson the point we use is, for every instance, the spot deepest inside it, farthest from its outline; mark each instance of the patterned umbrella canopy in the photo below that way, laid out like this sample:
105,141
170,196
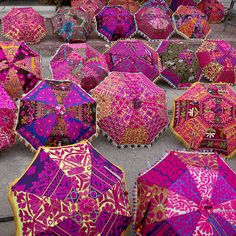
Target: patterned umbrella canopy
180,195
205,118
180,67
153,23
132,109
189,22
72,24
174,4
213,9
129,5
71,190
24,24
7,119
80,63
162,4
90,6
114,23
19,68
56,113
133,56
217,59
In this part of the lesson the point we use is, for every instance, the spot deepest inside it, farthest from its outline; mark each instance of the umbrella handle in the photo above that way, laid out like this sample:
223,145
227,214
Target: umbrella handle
140,225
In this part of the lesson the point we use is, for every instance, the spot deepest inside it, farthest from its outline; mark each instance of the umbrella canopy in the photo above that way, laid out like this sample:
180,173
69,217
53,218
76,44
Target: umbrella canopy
133,56
132,109
153,23
19,68
213,9
204,118
130,5
187,193
189,22
80,63
24,24
7,119
174,4
71,190
115,22
162,4
56,113
72,24
217,59
90,6
180,67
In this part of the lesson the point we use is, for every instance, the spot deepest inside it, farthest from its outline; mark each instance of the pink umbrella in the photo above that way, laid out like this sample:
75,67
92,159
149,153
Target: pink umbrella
162,4
80,63
7,119
24,24
133,56
153,23
217,60
132,109
114,23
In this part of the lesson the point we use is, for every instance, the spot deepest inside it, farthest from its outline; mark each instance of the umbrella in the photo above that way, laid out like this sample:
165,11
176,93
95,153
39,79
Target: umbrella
162,4
133,56
174,4
19,68
213,9
24,24
187,193
80,63
132,109
90,6
217,59
56,113
72,24
114,22
129,5
204,118
71,190
7,119
153,23
180,67
189,22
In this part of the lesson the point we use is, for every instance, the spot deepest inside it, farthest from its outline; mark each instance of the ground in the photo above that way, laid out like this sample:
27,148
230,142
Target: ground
133,160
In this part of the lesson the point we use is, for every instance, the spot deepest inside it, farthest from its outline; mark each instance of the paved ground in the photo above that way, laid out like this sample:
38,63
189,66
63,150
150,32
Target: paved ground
14,160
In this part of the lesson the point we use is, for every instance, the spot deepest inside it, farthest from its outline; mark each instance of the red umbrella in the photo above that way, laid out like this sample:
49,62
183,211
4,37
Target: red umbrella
7,119
153,23
24,24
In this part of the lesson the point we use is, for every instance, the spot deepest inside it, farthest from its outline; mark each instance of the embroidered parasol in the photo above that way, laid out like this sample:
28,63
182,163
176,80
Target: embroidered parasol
180,67
133,56
71,190
186,193
7,119
130,5
20,68
56,113
79,63
131,109
174,4
213,9
204,118
162,4
217,59
153,23
24,24
190,22
115,22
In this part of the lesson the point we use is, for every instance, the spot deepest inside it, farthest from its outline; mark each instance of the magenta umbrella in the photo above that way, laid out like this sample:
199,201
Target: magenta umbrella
115,22
134,56
174,4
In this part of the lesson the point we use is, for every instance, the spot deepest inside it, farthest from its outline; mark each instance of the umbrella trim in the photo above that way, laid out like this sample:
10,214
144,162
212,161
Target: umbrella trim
186,144
29,145
29,43
103,36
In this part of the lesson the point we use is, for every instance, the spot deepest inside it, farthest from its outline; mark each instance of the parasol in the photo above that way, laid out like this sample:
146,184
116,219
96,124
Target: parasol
130,5
162,4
